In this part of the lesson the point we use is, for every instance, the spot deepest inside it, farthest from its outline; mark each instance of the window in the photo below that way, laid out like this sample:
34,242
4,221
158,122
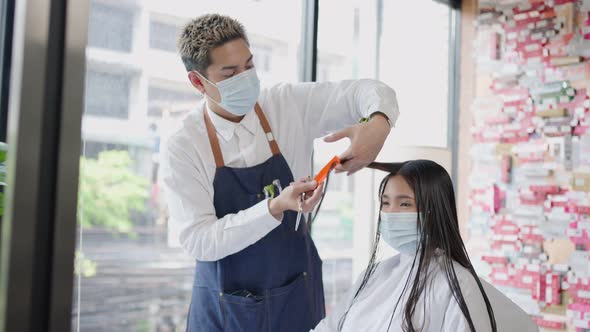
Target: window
416,65
163,36
161,98
110,27
107,94
93,149
130,274
347,48
338,38
262,57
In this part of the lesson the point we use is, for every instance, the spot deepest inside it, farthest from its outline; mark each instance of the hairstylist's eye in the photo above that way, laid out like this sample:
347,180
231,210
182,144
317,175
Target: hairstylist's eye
406,204
227,73
249,66
385,203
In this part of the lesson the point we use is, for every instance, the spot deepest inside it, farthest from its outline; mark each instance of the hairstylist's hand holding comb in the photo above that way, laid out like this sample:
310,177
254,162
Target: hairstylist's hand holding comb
366,141
290,197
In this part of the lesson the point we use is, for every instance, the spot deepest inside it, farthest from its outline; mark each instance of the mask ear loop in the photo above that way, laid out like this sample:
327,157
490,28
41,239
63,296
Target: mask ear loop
204,94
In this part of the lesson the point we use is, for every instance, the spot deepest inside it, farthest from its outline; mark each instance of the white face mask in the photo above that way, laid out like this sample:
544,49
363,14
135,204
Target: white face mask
400,231
239,93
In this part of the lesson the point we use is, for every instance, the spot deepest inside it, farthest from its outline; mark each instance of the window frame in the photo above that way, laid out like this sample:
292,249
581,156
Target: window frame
39,226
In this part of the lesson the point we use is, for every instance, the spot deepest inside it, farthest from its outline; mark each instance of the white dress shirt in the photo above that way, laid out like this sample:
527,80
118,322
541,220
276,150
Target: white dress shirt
372,310
298,114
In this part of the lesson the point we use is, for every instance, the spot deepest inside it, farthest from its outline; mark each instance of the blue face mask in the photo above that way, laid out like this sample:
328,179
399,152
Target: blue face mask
239,93
400,231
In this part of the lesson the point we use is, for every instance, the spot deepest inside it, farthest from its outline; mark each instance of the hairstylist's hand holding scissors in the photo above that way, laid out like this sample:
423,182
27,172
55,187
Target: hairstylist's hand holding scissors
366,140
290,197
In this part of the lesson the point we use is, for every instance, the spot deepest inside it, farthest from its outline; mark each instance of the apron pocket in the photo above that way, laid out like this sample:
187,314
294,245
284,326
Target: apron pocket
290,306
242,313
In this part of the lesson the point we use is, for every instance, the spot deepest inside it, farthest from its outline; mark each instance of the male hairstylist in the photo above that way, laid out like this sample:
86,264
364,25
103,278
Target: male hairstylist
224,168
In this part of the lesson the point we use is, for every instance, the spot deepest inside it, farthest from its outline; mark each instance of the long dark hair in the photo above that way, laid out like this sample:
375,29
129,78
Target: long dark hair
439,233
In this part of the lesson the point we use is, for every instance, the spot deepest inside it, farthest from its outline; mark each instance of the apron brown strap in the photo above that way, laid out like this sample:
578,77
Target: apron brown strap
274,147
214,141
211,132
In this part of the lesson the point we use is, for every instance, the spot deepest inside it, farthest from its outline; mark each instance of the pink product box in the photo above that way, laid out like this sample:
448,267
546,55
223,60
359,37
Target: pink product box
549,323
578,236
506,169
481,135
580,312
498,120
490,259
558,47
528,197
578,101
548,289
532,235
557,201
529,6
581,209
501,276
561,2
575,72
580,130
576,284
512,138
557,131
516,103
499,89
553,289
546,189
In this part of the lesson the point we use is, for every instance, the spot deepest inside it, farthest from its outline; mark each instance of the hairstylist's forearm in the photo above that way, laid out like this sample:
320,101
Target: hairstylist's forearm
381,121
208,238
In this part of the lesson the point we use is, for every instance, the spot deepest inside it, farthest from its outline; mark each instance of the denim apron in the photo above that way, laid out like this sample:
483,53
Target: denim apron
274,285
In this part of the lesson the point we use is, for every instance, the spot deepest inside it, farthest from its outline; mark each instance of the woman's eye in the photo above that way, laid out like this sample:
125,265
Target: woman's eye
250,66
385,203
405,205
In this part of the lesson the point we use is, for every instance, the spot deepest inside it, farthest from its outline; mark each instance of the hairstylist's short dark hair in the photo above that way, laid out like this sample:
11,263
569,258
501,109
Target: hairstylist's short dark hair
202,35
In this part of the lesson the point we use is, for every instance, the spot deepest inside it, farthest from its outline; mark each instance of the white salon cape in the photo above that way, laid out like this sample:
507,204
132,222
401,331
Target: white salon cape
372,310
298,114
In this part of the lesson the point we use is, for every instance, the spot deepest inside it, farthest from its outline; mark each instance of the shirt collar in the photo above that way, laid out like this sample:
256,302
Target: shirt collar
226,129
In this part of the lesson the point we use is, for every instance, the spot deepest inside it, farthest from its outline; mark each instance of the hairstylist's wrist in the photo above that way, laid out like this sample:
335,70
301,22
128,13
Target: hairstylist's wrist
275,208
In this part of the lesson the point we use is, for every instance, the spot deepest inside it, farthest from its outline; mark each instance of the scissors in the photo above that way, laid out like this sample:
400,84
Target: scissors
319,178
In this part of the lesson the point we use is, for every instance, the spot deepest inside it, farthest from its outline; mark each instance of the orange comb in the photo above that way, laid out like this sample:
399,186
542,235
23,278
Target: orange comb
323,174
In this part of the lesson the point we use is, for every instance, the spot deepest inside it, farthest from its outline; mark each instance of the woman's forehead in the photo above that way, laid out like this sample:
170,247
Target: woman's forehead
397,186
